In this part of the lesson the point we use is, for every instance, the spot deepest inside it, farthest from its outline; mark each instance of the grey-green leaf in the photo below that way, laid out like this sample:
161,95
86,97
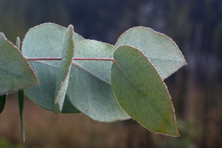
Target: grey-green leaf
89,87
93,97
62,79
141,91
15,72
162,52
95,49
45,40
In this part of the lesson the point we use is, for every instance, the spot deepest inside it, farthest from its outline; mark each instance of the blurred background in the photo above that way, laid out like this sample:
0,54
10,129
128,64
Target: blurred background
196,90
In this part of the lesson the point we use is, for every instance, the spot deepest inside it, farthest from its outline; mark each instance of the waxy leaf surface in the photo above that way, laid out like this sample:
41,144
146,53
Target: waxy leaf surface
162,52
62,79
46,41
15,72
89,87
141,91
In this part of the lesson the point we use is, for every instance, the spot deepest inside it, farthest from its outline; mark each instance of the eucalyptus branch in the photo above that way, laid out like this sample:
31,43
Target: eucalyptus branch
130,87
59,58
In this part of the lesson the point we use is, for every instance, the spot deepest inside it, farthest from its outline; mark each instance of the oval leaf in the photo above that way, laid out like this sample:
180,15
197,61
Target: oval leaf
45,40
15,72
141,92
162,52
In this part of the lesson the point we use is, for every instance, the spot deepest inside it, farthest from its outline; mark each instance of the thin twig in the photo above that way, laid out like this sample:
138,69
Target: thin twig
59,58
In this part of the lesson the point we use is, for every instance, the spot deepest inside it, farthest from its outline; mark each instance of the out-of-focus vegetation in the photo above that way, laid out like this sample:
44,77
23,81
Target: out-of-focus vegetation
6,143
196,27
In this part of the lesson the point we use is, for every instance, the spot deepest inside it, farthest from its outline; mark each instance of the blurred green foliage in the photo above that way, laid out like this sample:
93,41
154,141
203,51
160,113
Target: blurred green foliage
6,143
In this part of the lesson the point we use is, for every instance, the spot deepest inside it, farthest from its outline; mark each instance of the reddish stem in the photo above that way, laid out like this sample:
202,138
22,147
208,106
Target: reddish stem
58,58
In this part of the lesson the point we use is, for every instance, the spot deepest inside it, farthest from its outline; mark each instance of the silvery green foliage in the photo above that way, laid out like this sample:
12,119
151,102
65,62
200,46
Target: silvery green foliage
64,73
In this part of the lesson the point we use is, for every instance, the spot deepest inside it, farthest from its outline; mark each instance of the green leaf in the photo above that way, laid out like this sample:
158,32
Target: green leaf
141,91
46,40
162,52
62,79
15,72
21,98
89,87
2,103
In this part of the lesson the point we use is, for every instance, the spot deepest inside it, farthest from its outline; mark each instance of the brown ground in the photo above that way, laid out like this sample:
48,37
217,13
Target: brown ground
75,130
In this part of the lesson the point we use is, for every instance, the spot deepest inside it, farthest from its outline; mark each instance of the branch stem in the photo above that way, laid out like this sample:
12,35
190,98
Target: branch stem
58,58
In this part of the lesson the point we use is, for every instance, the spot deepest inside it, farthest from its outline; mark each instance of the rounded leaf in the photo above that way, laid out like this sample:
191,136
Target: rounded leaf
162,52
45,40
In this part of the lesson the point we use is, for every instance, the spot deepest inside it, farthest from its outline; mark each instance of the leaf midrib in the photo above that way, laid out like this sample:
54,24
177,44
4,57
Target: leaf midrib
90,73
139,90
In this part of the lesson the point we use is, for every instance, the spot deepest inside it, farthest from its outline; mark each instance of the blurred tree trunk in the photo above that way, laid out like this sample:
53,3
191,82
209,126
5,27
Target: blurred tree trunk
192,74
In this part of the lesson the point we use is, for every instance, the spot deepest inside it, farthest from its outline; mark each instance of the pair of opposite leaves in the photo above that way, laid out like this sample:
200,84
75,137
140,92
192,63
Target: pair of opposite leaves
130,86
